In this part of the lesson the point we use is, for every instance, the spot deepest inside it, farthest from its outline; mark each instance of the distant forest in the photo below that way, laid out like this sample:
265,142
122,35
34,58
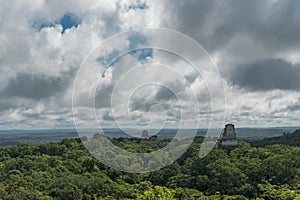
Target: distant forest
267,169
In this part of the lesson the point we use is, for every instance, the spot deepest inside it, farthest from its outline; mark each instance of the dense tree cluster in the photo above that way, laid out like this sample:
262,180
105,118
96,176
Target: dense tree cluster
292,139
66,170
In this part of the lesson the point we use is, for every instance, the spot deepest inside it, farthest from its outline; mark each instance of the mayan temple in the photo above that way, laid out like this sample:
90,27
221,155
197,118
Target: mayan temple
229,136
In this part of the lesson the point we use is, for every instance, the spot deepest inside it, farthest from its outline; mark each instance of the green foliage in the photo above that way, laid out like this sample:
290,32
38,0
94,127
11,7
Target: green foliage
66,170
275,192
292,139
158,192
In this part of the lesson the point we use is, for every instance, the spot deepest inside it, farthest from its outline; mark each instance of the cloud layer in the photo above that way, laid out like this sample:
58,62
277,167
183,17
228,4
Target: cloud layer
255,44
267,75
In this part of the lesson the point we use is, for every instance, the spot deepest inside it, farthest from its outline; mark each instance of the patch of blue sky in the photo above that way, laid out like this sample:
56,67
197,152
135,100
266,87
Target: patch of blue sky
144,54
110,59
138,6
67,21
137,41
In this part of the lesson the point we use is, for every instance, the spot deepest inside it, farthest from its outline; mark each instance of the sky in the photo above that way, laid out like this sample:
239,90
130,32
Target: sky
44,44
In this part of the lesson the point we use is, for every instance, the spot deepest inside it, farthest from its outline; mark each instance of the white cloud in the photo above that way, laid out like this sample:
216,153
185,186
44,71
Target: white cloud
234,33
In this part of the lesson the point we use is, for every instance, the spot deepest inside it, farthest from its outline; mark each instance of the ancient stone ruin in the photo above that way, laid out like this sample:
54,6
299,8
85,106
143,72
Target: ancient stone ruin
229,136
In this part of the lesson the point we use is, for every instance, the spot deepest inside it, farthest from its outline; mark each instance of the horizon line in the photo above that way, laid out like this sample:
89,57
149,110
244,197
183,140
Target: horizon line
171,128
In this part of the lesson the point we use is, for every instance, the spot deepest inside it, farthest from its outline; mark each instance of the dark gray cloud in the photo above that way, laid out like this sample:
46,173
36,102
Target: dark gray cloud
144,104
35,86
164,94
107,117
103,96
294,107
267,75
141,104
191,77
11,103
216,23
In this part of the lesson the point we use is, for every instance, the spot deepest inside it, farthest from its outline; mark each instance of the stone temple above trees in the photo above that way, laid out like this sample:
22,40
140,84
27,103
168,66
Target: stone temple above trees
229,136
145,134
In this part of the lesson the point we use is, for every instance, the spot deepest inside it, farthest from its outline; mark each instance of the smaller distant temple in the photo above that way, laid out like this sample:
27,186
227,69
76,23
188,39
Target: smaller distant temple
229,136
145,134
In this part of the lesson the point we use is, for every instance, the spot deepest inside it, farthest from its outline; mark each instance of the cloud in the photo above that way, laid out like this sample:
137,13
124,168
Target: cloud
255,44
215,23
107,117
140,104
103,96
267,75
294,107
35,86
164,94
